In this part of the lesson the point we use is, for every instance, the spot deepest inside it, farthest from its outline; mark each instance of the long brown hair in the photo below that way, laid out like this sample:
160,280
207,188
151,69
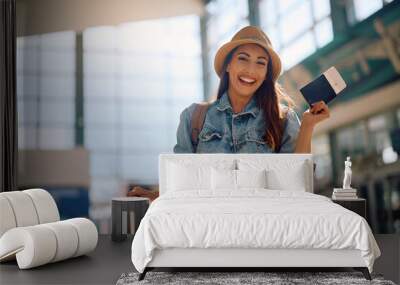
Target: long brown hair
268,96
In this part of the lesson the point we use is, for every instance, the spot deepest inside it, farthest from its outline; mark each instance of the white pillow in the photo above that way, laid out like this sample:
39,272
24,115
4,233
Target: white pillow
251,178
291,179
282,174
193,174
228,179
223,179
183,177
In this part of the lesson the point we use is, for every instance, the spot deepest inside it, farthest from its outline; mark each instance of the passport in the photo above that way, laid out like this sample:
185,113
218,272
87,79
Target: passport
325,87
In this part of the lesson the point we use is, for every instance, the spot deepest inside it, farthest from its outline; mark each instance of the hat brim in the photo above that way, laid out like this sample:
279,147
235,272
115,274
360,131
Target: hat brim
224,50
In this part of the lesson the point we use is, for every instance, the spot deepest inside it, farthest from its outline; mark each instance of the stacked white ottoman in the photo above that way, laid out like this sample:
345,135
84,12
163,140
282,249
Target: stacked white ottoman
31,230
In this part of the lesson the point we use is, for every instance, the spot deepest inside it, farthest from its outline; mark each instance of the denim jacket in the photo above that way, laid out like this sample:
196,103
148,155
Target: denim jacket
226,132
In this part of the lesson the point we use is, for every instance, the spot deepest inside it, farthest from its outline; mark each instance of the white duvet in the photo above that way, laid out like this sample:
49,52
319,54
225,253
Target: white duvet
253,218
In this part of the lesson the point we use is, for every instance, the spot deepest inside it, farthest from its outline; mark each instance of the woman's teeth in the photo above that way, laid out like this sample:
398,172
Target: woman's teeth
246,80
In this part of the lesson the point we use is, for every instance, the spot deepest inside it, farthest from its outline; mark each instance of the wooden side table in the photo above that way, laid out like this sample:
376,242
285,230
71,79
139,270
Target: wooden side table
127,212
358,206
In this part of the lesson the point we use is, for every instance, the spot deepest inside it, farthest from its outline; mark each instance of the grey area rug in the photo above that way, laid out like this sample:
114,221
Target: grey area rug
230,278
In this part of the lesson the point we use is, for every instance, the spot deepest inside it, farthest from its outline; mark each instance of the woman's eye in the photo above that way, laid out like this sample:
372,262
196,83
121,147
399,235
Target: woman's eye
242,58
261,63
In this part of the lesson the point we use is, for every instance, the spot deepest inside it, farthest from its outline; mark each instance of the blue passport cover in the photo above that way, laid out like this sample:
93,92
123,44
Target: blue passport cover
318,90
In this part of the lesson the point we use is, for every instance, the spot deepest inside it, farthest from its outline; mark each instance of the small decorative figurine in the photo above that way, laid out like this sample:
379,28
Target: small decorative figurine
347,174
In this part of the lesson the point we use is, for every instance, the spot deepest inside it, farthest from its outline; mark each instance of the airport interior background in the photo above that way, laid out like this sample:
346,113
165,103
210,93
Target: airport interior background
101,85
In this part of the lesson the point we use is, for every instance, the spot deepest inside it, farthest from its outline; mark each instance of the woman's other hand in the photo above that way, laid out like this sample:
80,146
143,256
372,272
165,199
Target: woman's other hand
138,191
317,113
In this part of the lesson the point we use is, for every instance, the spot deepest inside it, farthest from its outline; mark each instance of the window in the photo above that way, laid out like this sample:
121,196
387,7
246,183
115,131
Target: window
364,9
398,116
379,138
296,28
322,158
225,18
368,138
352,141
46,91
138,78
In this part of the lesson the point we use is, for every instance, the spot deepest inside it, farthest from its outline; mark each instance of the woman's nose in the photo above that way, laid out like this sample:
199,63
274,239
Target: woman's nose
252,69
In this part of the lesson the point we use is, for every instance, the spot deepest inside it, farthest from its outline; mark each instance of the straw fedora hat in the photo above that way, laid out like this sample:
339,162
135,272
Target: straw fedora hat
248,35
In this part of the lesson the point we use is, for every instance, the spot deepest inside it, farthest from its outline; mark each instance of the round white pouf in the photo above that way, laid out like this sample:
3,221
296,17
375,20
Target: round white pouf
33,246
23,208
45,205
7,218
87,233
67,240
40,244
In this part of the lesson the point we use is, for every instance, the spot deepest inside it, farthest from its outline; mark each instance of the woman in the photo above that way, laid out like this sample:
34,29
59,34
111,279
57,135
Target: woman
247,116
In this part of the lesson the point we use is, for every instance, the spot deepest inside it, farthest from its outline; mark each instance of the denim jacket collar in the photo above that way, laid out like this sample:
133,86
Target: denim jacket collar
251,107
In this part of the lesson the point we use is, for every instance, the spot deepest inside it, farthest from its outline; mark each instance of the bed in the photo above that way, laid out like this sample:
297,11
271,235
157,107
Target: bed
246,211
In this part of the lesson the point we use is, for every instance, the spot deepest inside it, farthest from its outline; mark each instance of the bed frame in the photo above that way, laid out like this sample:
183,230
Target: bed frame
241,259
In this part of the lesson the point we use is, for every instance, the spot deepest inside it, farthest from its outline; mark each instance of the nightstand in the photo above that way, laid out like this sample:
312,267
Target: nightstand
358,206
127,212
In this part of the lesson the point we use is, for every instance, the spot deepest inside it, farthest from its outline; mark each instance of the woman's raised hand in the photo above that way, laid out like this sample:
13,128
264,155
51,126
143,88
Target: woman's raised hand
317,113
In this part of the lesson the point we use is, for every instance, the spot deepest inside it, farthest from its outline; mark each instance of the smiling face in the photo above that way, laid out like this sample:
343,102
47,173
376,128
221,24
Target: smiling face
247,70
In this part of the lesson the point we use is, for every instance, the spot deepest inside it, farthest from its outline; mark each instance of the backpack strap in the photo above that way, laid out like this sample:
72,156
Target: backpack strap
197,121
283,123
